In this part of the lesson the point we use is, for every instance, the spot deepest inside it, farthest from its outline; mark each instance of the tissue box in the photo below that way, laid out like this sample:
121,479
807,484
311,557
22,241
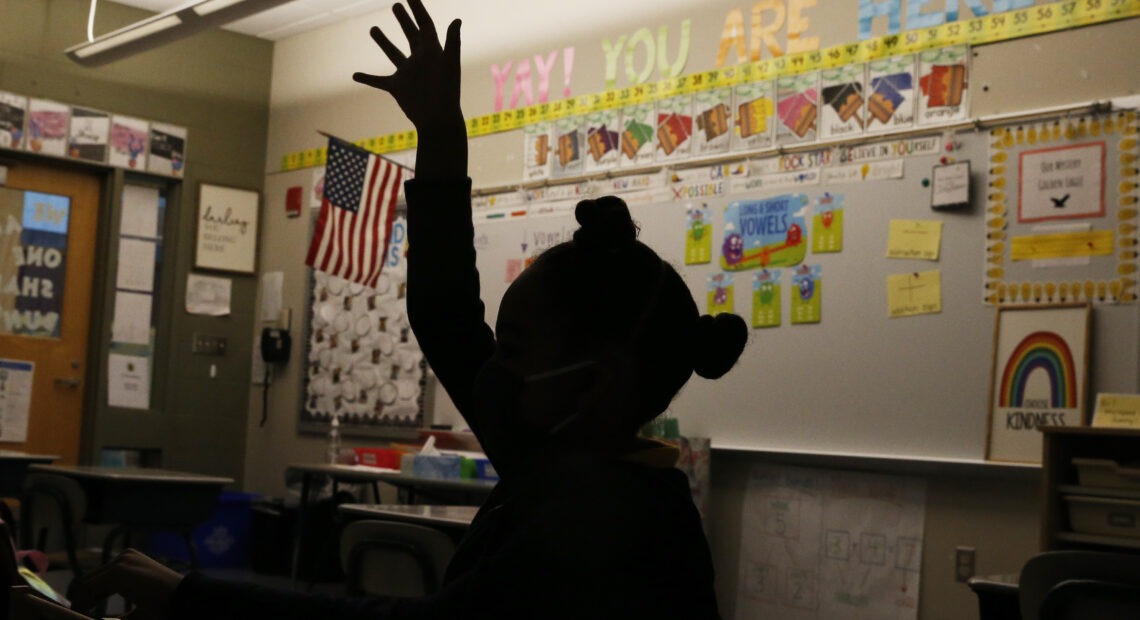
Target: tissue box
445,466
484,470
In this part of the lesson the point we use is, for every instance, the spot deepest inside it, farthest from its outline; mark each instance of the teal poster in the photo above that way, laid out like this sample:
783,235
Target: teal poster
765,233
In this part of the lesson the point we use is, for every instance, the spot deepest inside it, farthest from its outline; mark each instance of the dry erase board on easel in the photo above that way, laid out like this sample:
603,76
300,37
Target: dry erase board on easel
857,382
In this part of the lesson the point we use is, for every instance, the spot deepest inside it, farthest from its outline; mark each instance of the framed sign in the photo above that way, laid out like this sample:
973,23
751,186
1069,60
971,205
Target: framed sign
1039,377
227,229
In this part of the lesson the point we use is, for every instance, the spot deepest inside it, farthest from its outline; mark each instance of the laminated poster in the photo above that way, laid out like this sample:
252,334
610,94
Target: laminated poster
15,398
537,151
674,128
12,110
765,233
755,115
712,110
944,85
167,150
807,292
638,134
603,140
129,138
720,296
698,235
890,99
766,296
89,135
797,108
844,92
827,224
47,127
569,144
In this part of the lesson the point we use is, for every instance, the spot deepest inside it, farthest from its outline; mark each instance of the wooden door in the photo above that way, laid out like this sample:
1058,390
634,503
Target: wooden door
48,222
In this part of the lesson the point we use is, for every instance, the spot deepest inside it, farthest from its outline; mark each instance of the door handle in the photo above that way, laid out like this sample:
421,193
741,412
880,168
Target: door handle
71,382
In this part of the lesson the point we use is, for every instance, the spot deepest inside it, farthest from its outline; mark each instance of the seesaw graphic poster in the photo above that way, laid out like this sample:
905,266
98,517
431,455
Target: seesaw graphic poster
1040,377
765,233
766,298
890,102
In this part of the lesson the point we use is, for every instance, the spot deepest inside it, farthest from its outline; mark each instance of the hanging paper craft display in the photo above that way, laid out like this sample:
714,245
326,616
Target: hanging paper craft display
713,111
674,128
720,294
765,233
766,296
167,150
797,107
698,235
807,294
944,82
754,116
47,127
568,155
637,135
129,142
12,110
890,104
89,135
537,151
843,90
603,140
827,224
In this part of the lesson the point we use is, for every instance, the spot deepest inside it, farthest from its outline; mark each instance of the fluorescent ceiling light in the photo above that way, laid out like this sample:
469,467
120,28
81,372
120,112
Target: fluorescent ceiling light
167,27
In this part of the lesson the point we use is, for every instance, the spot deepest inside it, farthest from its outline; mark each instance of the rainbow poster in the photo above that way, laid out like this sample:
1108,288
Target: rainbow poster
1039,377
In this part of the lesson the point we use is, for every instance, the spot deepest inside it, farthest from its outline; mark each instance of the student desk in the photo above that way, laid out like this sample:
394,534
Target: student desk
13,467
136,498
433,516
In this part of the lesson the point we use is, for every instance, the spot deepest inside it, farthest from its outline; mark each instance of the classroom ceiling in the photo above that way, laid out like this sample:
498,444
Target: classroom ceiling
287,19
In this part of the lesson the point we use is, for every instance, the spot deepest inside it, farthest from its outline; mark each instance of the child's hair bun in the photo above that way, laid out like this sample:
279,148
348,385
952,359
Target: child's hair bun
720,340
606,224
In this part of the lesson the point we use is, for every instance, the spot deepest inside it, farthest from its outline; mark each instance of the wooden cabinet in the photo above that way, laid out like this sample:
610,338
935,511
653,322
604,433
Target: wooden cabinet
1061,480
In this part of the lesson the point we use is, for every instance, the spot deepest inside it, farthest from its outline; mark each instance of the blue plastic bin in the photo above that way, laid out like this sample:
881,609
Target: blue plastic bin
224,541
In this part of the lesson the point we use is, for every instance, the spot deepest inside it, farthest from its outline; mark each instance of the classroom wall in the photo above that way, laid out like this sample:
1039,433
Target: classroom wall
217,85
994,511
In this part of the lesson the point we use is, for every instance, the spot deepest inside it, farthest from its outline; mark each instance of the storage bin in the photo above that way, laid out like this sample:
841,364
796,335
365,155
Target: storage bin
1104,516
378,457
1107,473
223,541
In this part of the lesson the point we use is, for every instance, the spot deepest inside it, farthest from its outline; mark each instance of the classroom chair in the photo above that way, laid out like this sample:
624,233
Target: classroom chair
51,520
390,559
1080,585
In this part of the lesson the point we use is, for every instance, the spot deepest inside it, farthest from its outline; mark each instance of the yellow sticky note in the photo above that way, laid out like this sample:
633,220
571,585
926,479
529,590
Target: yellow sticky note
1117,411
1061,245
909,294
914,239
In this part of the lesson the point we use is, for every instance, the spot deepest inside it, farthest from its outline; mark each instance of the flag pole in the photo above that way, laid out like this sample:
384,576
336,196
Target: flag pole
387,159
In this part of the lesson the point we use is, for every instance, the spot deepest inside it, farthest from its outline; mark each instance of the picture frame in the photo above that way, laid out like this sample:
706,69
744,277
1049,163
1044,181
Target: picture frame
1038,377
227,229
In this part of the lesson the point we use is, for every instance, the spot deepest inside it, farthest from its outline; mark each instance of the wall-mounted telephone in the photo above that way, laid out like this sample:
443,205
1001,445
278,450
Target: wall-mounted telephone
275,345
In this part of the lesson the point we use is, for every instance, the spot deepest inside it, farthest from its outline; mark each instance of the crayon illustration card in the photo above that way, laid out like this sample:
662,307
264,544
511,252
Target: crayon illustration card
698,234
797,108
807,294
603,140
765,233
569,145
766,296
890,98
538,154
944,85
89,135
167,150
638,134
129,138
712,110
827,224
47,127
674,128
720,295
755,116
843,90
12,110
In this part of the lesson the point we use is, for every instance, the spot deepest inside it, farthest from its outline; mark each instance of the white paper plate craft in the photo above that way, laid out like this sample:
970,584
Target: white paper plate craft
363,325
383,283
335,285
355,288
388,393
342,322
407,389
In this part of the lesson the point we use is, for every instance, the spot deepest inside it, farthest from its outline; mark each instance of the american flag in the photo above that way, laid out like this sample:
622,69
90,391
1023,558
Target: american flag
359,205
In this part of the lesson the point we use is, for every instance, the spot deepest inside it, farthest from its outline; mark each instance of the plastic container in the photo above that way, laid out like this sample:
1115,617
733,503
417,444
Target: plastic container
378,457
1104,516
1106,473
223,541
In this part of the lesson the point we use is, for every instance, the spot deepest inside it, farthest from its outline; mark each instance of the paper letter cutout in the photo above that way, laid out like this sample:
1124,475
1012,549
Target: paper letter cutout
611,52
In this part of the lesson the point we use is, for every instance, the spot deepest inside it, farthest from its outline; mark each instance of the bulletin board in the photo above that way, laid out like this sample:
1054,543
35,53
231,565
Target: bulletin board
843,376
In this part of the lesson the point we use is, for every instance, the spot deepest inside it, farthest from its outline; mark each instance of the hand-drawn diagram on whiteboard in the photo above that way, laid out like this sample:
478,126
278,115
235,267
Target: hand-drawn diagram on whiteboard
1063,194
829,544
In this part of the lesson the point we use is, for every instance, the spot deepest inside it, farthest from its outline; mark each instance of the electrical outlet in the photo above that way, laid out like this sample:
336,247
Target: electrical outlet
963,564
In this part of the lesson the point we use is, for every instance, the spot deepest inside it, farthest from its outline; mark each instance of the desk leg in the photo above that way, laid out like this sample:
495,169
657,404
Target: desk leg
302,509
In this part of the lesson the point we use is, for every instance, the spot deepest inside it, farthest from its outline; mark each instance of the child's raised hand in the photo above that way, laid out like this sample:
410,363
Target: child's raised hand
426,81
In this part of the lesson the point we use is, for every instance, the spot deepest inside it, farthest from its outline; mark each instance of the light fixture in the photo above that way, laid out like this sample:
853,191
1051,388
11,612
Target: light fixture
166,27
